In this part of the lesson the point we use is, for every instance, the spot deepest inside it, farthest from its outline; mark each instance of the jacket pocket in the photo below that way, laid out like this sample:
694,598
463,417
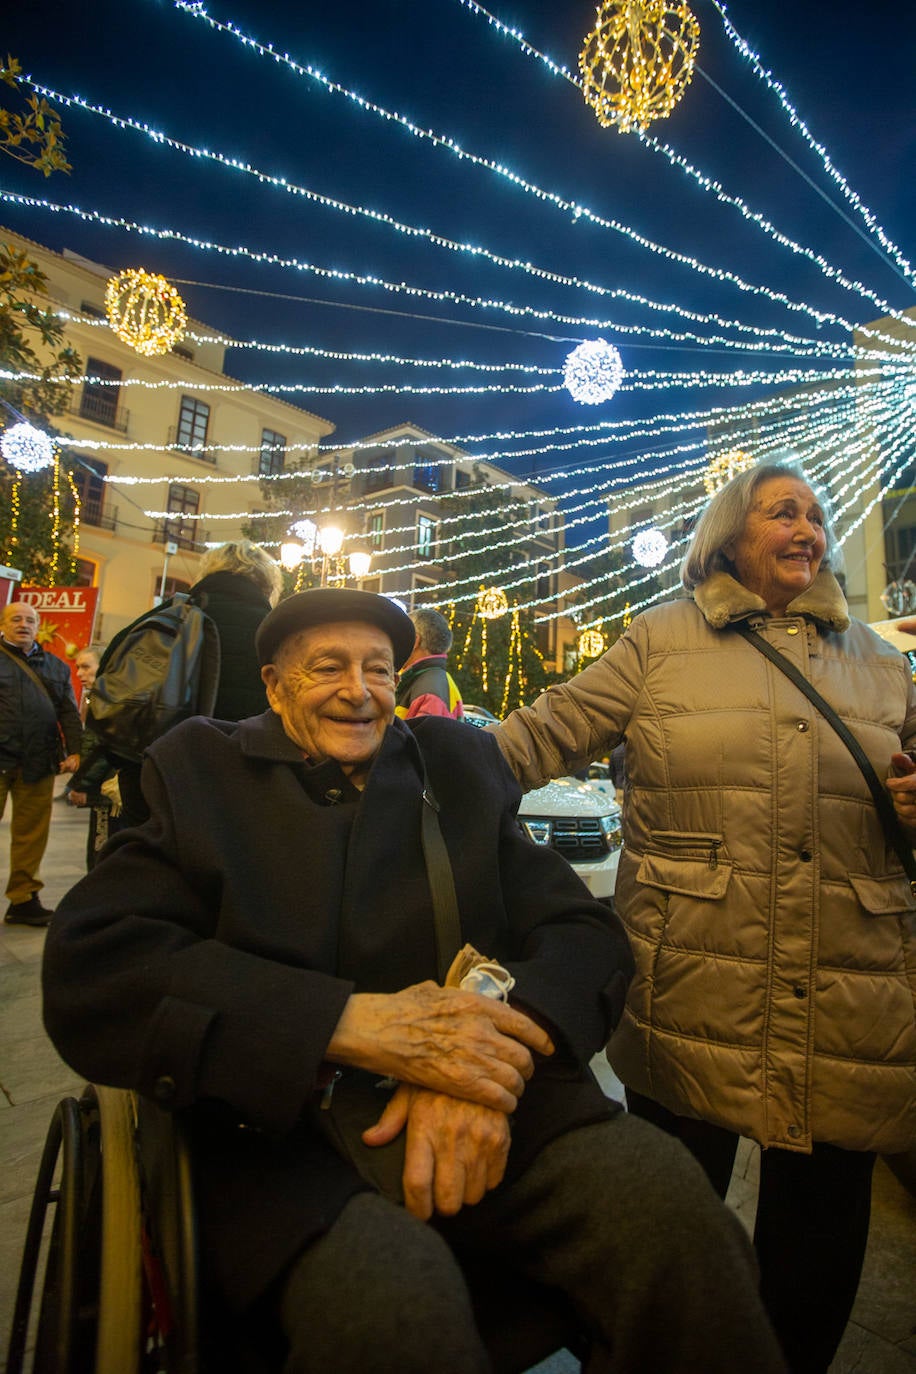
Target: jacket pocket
686,862
889,896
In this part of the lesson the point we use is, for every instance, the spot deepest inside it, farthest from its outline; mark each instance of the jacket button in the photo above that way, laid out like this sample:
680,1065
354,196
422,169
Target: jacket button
164,1089
805,855
799,991
793,1132
801,725
792,630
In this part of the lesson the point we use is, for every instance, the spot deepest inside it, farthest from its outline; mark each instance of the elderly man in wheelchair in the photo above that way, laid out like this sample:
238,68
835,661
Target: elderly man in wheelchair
371,1002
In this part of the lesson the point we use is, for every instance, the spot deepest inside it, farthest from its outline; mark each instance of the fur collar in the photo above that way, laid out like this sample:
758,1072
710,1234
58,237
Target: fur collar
722,599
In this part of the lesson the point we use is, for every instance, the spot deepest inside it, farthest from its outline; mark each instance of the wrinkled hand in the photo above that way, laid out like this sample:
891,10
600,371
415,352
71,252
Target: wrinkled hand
443,1039
455,1151
903,789
70,764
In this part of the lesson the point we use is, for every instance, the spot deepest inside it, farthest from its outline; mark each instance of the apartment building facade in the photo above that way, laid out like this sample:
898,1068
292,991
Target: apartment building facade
148,436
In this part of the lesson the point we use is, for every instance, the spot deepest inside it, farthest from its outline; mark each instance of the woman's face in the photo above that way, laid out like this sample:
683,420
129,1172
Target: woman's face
86,665
779,551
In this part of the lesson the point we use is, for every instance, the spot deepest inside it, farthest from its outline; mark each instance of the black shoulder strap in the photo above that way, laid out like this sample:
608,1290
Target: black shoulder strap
441,882
883,804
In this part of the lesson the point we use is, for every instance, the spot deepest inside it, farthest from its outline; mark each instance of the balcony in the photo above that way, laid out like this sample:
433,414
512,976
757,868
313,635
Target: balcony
96,514
102,408
185,534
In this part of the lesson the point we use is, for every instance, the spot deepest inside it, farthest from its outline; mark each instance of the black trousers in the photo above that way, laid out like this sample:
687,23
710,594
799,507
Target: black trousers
813,1213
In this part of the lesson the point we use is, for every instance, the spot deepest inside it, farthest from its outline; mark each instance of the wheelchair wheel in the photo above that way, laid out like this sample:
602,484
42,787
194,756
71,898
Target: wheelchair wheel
65,1336
120,1326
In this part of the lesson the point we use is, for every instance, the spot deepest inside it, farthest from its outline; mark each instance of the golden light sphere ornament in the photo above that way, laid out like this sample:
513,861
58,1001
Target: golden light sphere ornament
638,61
721,469
492,603
145,311
591,643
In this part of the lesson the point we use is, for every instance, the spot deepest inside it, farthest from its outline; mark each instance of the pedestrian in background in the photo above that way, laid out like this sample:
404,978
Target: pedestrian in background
37,707
237,586
772,923
86,665
425,686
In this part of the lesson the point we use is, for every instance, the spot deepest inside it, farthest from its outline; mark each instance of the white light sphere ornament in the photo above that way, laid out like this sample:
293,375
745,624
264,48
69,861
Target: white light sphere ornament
649,548
27,448
593,372
308,532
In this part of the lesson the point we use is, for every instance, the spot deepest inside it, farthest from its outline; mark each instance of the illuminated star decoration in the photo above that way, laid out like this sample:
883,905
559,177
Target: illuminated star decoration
145,311
593,372
26,448
721,469
649,548
638,61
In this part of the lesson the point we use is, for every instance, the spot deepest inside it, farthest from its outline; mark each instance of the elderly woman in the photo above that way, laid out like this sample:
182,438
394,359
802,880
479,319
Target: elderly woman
772,925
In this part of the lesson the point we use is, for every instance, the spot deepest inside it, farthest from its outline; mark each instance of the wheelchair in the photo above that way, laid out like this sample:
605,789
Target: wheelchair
120,1287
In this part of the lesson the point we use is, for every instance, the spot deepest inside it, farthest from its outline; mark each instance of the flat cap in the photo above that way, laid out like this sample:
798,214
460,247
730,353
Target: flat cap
327,605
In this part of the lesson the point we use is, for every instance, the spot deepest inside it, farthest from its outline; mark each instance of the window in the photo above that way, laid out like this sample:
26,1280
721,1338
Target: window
85,572
376,469
543,582
172,585
94,311
181,352
99,400
426,536
91,488
273,453
193,420
427,473
462,479
375,528
184,501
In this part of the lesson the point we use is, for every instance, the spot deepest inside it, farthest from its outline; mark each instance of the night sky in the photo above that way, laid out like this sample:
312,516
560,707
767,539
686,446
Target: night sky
848,69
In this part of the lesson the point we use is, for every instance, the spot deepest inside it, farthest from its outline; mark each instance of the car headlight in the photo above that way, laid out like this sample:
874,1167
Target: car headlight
610,829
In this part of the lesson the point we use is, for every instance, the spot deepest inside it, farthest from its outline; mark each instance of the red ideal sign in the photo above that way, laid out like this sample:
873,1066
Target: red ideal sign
67,621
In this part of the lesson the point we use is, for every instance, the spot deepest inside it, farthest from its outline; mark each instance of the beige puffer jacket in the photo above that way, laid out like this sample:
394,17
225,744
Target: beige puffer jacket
773,930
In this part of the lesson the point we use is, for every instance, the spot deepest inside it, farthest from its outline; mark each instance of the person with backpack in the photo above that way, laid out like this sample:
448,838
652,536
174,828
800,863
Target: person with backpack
37,708
194,655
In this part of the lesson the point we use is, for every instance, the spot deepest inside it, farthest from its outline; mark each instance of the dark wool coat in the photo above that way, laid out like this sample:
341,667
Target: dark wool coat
237,606
207,959
29,719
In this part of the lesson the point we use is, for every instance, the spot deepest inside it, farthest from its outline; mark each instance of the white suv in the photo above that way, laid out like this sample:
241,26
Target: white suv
577,819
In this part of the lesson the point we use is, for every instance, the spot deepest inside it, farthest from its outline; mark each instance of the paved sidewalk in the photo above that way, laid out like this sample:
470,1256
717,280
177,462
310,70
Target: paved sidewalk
881,1339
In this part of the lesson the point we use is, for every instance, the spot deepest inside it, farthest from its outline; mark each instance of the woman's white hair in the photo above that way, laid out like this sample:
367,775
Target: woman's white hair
724,519
245,559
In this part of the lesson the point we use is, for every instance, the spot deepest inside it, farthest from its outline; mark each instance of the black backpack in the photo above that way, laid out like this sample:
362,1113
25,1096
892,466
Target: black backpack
158,671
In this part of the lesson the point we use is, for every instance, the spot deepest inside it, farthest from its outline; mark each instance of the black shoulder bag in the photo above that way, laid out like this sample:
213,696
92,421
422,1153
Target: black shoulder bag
893,830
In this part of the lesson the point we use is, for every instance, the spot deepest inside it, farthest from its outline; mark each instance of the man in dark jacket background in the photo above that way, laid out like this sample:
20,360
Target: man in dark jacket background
425,686
267,943
36,705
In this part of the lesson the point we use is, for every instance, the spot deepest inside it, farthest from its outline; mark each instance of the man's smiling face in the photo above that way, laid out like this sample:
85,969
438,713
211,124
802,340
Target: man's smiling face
333,688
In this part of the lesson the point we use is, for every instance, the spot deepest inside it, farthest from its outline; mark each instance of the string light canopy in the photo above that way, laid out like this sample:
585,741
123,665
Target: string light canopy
492,603
721,469
145,311
638,61
26,448
649,548
593,371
